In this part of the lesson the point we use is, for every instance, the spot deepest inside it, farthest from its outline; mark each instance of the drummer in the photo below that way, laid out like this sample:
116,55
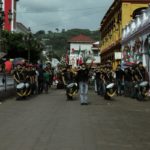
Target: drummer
18,76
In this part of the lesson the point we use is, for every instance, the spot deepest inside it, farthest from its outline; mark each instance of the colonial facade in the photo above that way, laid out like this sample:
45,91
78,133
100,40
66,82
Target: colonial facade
120,13
79,48
10,5
136,40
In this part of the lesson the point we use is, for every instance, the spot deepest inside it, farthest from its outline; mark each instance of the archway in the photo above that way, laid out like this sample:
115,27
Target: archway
138,12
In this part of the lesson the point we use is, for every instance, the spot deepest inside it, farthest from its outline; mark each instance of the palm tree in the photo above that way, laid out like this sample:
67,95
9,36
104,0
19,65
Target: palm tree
57,30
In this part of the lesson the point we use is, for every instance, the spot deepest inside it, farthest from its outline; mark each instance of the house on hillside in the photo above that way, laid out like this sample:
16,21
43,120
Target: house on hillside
79,49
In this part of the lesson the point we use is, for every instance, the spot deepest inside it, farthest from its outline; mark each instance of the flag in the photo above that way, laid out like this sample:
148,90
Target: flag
67,57
79,50
80,61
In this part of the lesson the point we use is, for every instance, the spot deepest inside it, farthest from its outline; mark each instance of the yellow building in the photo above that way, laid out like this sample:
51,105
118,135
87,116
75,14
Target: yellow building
120,13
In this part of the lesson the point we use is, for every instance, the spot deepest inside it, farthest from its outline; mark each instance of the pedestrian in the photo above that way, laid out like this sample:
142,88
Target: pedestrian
40,79
46,80
83,78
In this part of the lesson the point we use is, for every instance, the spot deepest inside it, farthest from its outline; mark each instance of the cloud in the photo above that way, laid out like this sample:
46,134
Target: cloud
63,14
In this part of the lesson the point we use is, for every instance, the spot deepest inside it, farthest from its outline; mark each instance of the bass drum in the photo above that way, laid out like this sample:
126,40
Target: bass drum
20,90
142,90
110,91
71,90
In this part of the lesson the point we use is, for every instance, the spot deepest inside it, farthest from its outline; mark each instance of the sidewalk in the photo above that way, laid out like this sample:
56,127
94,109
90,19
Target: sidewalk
7,89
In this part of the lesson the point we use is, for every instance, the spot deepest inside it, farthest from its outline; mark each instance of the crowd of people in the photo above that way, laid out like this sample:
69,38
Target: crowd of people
38,77
41,77
125,79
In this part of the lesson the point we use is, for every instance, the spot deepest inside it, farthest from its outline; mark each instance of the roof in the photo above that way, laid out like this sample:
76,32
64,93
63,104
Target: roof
81,39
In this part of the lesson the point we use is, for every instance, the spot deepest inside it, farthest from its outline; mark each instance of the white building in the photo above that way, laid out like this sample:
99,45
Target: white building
20,28
80,49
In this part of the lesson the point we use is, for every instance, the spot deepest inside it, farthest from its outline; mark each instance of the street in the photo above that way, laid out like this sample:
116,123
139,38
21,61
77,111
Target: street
49,122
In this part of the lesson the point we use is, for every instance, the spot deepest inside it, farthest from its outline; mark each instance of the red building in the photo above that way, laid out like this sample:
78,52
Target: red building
10,5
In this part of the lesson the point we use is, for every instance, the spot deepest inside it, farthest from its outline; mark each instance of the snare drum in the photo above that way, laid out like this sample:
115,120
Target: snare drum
20,86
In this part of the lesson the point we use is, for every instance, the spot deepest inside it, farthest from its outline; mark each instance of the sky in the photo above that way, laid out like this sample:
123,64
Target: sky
62,14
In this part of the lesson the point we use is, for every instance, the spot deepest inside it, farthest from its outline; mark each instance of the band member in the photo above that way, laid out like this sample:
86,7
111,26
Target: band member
32,78
141,72
119,80
83,78
127,82
67,78
97,79
18,77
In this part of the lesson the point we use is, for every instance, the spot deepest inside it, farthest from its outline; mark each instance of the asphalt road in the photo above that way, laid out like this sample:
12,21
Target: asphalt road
49,122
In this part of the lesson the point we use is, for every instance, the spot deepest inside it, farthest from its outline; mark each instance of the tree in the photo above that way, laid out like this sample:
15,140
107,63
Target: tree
57,30
17,46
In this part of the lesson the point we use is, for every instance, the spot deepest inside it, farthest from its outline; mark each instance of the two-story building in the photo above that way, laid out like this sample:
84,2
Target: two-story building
80,47
136,41
120,13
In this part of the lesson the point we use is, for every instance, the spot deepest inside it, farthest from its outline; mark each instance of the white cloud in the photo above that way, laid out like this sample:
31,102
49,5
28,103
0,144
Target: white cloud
51,14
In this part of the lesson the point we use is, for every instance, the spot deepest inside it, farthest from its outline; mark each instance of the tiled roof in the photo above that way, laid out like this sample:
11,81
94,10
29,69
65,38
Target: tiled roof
81,38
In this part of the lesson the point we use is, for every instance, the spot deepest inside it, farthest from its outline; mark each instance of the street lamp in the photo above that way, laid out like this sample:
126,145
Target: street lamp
27,39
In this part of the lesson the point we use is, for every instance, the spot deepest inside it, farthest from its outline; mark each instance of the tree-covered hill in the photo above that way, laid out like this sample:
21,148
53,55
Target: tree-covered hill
58,40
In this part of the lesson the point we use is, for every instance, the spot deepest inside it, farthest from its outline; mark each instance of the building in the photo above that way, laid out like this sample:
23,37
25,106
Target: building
10,5
79,49
96,53
120,13
20,28
136,41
